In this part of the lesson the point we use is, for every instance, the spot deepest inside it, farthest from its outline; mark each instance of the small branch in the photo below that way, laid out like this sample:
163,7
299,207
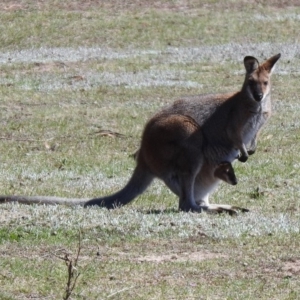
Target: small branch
71,265
78,248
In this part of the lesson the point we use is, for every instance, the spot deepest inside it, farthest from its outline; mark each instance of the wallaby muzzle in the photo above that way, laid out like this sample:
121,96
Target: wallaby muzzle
234,182
256,92
258,96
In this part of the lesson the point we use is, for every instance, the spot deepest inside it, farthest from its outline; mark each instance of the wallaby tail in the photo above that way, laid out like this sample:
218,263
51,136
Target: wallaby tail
137,184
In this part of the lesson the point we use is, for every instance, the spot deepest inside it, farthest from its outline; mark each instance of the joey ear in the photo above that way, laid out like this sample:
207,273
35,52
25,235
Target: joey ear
270,63
250,63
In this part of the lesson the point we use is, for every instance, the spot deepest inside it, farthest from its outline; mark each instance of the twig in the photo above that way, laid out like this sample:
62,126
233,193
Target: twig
72,270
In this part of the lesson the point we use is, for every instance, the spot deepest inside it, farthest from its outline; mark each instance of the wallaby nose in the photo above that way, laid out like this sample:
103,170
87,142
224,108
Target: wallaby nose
258,97
234,182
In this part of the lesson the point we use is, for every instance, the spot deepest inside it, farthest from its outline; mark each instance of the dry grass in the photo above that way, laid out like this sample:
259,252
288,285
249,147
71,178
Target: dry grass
73,76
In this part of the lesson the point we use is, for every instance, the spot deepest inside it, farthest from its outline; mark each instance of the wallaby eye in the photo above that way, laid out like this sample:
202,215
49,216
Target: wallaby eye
265,83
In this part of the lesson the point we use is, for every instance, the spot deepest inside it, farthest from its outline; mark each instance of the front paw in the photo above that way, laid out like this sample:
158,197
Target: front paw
243,158
251,152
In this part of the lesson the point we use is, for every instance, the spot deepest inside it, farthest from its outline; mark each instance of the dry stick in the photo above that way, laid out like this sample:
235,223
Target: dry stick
70,287
71,268
72,279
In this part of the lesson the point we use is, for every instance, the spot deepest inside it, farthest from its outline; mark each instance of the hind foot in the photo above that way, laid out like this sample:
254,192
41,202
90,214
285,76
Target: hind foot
190,208
220,208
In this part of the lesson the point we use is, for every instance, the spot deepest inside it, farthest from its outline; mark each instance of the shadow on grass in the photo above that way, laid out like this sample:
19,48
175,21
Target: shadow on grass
158,211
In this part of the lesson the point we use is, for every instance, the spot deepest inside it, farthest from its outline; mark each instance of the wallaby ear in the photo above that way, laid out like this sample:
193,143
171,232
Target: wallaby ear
251,64
270,63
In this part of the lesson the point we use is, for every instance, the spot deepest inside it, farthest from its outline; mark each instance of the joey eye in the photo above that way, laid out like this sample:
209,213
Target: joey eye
266,83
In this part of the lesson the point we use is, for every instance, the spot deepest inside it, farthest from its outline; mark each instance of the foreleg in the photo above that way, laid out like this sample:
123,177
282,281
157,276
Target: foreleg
244,153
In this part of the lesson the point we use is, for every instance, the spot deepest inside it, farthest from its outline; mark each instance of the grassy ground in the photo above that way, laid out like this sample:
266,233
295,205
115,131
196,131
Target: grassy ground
72,70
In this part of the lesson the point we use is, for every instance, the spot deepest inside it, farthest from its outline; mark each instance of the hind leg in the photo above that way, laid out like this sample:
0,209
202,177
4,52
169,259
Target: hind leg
186,198
220,208
182,185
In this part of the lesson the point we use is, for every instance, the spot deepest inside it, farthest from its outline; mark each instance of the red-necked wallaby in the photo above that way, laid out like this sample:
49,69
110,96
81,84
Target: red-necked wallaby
177,153
185,152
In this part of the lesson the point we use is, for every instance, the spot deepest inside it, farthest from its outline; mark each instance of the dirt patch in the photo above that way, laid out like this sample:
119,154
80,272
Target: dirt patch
291,267
285,269
180,257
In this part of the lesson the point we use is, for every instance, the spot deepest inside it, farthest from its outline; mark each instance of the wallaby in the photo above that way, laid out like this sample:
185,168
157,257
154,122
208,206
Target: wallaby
225,172
228,125
207,181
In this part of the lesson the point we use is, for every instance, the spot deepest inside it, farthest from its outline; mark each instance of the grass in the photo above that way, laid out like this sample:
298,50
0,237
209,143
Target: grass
71,69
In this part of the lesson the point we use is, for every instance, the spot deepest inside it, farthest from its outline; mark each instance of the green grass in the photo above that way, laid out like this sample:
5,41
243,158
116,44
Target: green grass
149,28
70,69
